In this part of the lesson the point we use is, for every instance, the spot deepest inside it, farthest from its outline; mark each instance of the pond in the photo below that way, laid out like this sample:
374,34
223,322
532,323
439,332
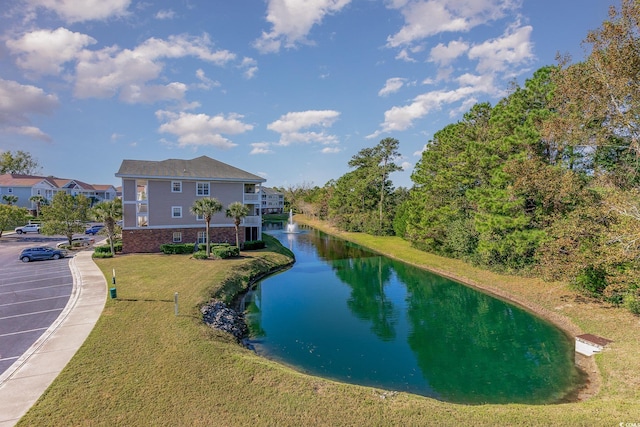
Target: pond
346,313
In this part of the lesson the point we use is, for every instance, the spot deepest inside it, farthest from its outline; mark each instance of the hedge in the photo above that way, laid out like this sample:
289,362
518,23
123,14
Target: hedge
177,248
253,245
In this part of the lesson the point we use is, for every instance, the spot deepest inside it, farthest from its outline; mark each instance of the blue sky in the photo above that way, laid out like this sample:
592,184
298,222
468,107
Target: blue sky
287,89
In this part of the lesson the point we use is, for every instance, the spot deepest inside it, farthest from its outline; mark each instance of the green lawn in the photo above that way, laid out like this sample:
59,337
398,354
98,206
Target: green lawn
142,365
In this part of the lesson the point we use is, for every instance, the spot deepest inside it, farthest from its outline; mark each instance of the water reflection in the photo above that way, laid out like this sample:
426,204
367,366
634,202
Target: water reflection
346,313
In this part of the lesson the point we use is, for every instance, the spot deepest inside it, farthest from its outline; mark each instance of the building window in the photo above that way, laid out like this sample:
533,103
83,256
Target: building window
142,215
176,186
202,189
199,217
141,189
202,237
176,211
177,236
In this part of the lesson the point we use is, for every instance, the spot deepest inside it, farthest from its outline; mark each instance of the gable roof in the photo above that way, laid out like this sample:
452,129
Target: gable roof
72,183
200,168
103,187
17,180
270,191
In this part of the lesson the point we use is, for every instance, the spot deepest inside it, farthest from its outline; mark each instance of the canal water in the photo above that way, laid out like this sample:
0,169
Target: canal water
349,314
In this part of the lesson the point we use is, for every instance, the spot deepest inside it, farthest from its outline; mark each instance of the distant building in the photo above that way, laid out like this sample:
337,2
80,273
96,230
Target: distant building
157,197
26,186
272,201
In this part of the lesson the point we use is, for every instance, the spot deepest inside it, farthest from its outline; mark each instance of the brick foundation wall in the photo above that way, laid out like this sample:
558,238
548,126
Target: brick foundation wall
149,239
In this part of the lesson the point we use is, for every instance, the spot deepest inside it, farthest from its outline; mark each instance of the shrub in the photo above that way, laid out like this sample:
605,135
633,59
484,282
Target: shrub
177,248
102,249
253,245
632,303
200,255
591,281
103,254
224,251
615,293
117,246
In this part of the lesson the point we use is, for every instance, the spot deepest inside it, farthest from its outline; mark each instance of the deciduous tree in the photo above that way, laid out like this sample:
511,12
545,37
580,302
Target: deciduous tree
66,215
19,162
10,216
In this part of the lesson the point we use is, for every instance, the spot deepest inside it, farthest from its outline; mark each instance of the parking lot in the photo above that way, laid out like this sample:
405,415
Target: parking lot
32,295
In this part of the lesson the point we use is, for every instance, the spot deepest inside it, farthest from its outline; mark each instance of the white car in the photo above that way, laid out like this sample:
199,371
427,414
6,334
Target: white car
77,241
29,228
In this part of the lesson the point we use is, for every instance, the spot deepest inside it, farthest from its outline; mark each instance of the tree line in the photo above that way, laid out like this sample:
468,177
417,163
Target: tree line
543,183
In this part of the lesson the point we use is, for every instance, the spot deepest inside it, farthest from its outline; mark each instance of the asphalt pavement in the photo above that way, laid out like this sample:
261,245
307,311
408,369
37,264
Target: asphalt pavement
29,376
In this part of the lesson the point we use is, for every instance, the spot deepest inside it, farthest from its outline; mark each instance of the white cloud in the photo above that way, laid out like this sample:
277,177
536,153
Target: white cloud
444,55
45,51
424,18
18,102
495,59
165,14
392,85
513,48
148,94
405,56
205,82
330,150
290,126
292,21
261,148
29,131
183,45
84,10
201,129
419,152
111,70
250,67
402,118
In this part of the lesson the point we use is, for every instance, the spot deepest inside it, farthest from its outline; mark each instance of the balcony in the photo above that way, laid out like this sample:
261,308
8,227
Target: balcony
251,198
252,220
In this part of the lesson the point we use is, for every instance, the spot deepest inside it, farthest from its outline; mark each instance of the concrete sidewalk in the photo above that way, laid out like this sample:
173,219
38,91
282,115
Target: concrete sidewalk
25,381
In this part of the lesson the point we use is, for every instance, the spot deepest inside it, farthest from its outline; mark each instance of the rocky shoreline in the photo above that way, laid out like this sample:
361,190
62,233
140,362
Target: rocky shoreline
219,316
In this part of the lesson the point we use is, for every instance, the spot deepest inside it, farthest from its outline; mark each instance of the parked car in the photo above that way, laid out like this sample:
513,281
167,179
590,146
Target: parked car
29,228
41,252
93,229
78,241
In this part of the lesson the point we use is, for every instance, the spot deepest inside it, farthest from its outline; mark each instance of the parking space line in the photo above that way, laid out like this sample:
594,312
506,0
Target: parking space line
34,300
48,278
30,314
23,332
35,289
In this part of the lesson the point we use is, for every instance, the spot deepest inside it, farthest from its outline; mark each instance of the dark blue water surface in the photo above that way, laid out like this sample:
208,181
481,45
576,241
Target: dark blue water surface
346,313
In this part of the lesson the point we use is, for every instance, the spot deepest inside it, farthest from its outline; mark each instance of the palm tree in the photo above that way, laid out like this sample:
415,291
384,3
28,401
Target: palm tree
237,211
10,199
108,212
39,201
206,207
